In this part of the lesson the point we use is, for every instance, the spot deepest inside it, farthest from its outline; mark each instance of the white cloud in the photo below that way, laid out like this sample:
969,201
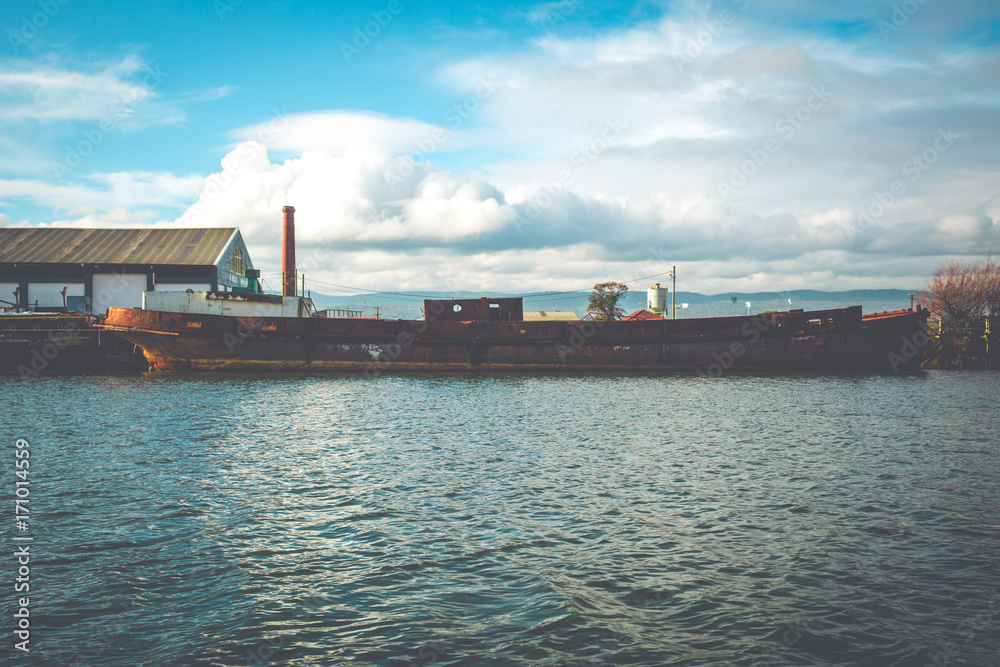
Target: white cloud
54,115
106,191
340,132
124,91
845,119
117,217
210,95
435,229
992,209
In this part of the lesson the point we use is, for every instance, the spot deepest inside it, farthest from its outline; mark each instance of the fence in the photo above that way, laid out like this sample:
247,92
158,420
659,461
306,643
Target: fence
963,344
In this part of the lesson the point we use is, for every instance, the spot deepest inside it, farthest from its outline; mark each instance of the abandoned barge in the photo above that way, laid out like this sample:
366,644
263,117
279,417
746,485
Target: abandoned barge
225,331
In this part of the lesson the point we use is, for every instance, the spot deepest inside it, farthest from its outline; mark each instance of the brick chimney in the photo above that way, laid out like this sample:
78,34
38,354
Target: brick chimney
288,251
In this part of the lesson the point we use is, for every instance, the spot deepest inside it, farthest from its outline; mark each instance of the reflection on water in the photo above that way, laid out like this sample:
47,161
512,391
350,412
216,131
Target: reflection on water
513,520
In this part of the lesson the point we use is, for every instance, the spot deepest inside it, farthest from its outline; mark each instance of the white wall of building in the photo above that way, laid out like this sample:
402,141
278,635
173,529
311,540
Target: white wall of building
198,302
49,295
123,290
180,287
7,293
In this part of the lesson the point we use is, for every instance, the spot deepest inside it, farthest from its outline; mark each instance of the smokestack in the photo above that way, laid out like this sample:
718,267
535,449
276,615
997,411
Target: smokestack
288,251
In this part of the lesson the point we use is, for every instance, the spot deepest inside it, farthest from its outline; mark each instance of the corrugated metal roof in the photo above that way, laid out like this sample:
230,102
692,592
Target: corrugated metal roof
68,245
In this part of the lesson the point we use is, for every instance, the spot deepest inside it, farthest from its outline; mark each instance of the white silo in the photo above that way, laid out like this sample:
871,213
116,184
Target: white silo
657,297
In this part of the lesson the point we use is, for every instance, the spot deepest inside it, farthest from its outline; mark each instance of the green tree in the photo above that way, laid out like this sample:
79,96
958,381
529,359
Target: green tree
604,300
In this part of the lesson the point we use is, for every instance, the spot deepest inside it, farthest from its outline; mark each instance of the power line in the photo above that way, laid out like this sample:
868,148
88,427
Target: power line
362,290
530,296
587,289
655,275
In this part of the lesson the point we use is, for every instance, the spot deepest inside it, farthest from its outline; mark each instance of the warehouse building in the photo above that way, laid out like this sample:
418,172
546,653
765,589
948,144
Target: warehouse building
71,269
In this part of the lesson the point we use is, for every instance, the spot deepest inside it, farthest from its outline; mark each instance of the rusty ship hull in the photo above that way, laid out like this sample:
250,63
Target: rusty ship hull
828,340
32,344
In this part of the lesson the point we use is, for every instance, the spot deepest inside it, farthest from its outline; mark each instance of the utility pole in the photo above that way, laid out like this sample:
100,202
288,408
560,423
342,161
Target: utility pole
673,294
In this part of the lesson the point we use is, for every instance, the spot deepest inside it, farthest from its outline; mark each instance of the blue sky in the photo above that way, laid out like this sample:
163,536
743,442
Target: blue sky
535,146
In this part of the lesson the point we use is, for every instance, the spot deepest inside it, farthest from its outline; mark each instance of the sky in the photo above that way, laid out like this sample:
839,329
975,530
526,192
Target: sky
519,147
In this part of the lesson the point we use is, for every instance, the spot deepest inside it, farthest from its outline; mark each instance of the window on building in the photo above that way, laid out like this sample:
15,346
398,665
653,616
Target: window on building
236,264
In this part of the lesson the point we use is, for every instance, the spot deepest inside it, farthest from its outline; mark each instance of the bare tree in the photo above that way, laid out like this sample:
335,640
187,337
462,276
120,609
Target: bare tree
964,291
992,270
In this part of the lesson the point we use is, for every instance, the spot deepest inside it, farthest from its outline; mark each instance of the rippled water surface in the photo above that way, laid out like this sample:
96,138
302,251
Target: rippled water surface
510,520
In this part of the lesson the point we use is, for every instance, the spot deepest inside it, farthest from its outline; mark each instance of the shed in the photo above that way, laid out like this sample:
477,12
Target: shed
69,268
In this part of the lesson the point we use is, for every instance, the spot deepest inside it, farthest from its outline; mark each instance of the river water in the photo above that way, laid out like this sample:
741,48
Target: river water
508,520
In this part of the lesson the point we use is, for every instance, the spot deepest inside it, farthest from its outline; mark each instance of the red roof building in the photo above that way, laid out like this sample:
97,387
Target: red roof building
641,315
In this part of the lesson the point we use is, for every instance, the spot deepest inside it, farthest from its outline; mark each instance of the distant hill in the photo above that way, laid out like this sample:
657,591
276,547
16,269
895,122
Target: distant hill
409,305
